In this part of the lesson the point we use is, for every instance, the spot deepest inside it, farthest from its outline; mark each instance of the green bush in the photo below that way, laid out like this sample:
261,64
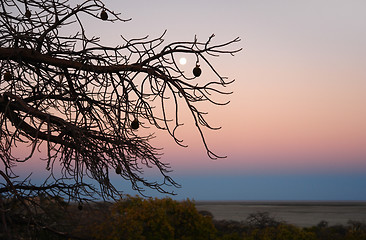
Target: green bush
355,231
137,218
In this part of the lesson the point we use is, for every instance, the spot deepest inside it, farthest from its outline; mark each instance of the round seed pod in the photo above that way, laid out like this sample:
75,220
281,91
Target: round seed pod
104,15
197,71
27,14
118,169
135,124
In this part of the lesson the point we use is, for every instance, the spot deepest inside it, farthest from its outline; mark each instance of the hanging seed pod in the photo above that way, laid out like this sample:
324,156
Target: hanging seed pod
118,169
135,124
27,14
7,76
197,71
80,207
104,15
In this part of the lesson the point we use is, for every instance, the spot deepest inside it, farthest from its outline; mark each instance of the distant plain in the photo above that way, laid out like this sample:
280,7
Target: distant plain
302,214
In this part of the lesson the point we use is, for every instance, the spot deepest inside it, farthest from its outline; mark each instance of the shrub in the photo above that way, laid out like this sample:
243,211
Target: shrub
150,219
262,220
355,231
280,232
228,229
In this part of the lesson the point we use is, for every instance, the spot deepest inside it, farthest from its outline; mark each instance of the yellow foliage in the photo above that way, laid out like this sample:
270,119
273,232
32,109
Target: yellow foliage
149,219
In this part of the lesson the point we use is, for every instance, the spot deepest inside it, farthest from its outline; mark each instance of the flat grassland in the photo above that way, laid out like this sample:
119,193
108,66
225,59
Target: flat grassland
302,214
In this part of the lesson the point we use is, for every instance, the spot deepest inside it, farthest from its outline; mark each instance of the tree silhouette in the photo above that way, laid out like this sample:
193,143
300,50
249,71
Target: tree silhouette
83,104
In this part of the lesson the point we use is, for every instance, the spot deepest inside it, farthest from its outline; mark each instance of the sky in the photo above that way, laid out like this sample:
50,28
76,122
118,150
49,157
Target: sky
295,126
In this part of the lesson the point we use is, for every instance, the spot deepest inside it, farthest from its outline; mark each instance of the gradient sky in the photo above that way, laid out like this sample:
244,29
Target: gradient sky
296,125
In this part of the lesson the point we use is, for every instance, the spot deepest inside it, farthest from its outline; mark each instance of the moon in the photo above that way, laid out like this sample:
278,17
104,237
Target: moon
182,61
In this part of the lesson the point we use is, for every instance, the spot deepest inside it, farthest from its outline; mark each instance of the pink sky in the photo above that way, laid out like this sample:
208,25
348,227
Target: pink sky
300,79
299,102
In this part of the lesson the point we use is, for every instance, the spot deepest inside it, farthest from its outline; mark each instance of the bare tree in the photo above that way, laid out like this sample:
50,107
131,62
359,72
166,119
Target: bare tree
84,104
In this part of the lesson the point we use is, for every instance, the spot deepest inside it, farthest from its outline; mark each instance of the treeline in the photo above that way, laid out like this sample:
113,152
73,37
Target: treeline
135,218
274,230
